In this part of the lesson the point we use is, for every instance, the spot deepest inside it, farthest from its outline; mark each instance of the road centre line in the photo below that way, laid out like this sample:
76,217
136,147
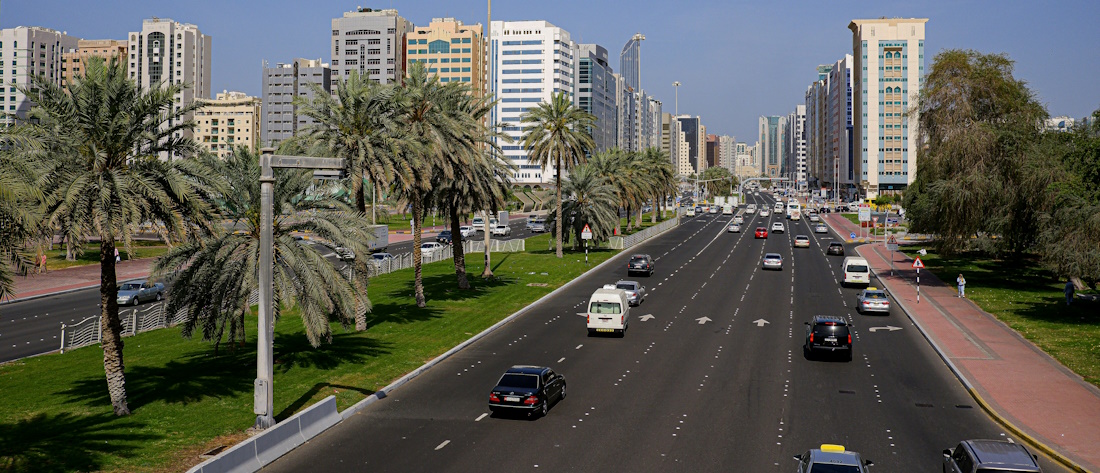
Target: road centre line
444,444
561,360
482,416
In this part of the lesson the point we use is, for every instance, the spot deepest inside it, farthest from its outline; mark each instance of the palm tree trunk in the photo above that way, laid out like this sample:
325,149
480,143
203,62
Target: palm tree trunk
557,221
111,327
360,196
417,255
459,255
488,271
656,207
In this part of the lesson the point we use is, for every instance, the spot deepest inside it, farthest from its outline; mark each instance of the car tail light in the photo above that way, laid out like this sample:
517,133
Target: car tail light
531,400
588,319
622,318
811,337
493,397
849,339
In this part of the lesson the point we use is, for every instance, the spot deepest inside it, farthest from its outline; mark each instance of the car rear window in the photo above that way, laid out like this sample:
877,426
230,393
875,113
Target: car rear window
831,330
875,295
516,380
626,287
856,268
833,468
605,308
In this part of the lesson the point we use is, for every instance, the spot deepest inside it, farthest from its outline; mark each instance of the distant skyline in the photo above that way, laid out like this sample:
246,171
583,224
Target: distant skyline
737,60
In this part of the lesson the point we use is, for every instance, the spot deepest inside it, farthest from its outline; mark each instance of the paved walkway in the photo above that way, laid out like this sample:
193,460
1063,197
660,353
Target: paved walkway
1031,392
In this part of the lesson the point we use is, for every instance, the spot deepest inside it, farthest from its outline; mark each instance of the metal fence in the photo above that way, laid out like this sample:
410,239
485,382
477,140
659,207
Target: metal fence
625,242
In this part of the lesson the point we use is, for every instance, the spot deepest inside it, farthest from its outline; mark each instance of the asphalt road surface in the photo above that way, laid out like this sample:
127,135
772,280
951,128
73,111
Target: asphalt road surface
714,381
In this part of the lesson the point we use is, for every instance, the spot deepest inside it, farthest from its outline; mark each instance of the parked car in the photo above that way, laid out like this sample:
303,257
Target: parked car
761,232
835,248
501,230
430,248
137,291
872,299
635,291
527,389
801,241
640,264
828,334
971,456
833,459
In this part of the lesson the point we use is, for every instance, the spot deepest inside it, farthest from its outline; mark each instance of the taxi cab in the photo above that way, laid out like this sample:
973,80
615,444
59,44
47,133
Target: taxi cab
872,299
833,459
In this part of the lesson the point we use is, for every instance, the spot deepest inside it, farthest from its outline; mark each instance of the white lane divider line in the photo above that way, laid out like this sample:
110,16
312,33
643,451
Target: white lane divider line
482,416
561,360
579,347
444,444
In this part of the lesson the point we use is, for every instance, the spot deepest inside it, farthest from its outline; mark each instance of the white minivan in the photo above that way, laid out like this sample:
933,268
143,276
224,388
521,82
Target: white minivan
856,271
608,312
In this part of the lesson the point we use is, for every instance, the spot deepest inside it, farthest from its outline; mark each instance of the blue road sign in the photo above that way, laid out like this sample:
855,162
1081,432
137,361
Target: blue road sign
852,235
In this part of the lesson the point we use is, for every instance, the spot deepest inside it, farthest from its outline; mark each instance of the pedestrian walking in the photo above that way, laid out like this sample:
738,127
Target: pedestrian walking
43,262
117,257
961,281
1069,291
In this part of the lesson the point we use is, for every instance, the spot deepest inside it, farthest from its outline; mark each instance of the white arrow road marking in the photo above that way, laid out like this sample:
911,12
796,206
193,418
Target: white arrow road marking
645,317
888,327
760,322
702,320
444,444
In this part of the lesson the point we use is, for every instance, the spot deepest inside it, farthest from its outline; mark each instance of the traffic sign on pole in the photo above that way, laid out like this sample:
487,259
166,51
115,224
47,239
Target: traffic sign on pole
586,234
864,213
892,243
918,264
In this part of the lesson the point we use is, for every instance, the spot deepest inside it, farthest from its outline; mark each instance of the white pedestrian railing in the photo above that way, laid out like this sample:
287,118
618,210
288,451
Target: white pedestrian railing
625,242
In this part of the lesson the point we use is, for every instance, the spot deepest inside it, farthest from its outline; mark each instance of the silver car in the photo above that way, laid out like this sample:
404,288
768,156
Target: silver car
635,292
773,261
134,292
872,299
821,228
971,456
734,228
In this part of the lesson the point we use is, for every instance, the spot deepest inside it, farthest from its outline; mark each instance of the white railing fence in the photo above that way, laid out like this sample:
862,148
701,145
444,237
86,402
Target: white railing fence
625,242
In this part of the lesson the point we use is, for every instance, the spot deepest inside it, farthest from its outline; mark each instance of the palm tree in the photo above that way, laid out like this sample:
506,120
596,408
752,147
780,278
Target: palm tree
557,134
18,219
358,123
432,129
216,275
663,178
101,139
591,201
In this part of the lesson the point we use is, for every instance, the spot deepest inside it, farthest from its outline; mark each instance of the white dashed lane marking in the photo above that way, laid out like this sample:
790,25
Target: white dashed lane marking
444,444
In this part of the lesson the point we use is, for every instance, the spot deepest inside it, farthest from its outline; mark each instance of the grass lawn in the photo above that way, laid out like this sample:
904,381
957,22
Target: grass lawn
1030,300
56,415
55,259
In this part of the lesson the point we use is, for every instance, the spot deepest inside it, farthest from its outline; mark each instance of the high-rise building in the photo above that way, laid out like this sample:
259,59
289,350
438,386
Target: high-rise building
450,49
772,146
630,62
840,166
795,153
75,61
596,94
281,84
650,122
29,52
887,75
695,136
228,121
531,61
712,150
371,42
727,153
168,52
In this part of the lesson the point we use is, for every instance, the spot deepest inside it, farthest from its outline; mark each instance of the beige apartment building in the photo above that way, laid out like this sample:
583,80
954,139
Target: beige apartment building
227,121
450,49
73,62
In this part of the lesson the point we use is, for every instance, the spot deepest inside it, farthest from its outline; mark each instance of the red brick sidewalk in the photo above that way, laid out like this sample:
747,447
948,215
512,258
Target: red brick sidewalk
1029,391
76,278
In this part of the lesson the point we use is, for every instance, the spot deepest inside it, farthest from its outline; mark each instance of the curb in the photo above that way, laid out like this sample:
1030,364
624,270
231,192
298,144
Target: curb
1057,456
55,293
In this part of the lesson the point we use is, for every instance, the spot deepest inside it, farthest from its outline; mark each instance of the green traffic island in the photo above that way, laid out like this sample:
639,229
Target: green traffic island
1030,299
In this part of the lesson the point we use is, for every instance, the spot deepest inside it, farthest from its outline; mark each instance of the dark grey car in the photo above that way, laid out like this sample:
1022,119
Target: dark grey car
971,456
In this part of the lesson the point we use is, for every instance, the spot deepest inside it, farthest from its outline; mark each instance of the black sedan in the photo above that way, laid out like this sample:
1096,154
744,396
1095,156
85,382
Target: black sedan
527,389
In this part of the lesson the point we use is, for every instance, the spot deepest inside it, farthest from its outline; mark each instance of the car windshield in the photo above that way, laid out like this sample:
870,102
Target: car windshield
605,308
517,380
833,468
625,286
130,286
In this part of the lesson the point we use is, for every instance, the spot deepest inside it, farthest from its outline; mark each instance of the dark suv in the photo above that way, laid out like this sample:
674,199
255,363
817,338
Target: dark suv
640,264
989,455
828,334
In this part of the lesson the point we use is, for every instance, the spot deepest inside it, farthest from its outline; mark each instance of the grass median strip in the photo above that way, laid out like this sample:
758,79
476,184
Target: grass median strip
1029,299
56,415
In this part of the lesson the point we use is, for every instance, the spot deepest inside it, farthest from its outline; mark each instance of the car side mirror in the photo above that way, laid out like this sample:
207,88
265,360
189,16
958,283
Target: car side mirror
798,457
947,452
868,463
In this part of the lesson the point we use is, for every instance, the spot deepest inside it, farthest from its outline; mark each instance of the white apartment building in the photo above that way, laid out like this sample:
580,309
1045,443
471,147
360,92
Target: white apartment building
796,148
281,84
168,52
727,153
26,52
371,42
531,61
886,76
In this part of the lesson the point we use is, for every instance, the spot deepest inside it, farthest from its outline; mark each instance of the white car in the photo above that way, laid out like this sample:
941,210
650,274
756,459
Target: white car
814,217
501,230
764,212
738,219
430,248
467,231
713,209
777,227
734,228
690,212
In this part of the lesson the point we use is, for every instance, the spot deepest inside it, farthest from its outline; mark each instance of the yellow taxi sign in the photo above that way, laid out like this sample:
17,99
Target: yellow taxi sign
872,288
828,447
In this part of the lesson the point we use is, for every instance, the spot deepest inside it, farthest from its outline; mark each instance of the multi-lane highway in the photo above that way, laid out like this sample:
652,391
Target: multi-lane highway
714,381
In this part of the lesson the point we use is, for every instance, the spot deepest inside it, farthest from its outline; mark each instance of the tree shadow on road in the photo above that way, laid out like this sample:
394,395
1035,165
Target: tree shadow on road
66,442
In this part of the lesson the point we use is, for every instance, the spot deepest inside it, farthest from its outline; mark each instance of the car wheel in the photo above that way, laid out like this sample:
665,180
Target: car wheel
137,300
562,396
542,412
160,297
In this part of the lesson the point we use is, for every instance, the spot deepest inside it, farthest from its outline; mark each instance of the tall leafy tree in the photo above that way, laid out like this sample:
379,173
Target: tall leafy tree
101,140
721,186
591,201
1071,228
19,220
216,274
556,134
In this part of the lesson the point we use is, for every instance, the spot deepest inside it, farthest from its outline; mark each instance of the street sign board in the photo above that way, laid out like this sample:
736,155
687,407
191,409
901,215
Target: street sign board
917,263
874,220
852,235
586,234
892,243
864,213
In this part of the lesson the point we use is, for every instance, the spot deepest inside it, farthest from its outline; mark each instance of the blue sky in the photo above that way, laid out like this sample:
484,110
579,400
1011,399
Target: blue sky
737,60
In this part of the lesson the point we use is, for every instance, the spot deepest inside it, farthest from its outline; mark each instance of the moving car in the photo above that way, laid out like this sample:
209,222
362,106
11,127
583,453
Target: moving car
778,206
773,261
777,227
734,228
738,219
134,292
971,456
430,248
381,259
764,212
831,459
761,232
344,253
813,217
444,237
501,230
538,226
608,312
713,209
872,299
690,212
640,264
828,334
750,209
856,271
835,248
527,389
635,291
467,231
801,241
821,228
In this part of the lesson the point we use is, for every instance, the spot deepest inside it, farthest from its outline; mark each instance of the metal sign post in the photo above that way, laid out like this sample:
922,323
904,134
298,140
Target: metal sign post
918,264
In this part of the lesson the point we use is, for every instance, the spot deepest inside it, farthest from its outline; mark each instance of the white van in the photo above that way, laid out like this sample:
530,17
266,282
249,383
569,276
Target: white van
608,312
856,271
